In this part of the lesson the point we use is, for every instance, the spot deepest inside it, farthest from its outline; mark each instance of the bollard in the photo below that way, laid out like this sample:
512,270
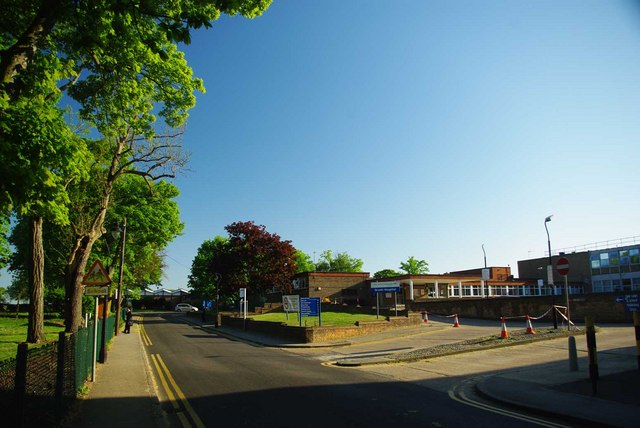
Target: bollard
636,326
573,354
593,355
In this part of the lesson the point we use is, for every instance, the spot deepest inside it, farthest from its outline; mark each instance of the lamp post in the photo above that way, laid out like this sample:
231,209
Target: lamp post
485,267
119,296
550,274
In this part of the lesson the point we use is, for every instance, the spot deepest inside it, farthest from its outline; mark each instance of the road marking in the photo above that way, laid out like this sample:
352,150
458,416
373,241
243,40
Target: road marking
194,416
145,337
461,397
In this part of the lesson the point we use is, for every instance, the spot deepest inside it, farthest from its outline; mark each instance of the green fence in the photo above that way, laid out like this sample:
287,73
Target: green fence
38,386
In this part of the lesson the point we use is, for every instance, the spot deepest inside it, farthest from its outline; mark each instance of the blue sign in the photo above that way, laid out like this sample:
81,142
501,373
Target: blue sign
309,306
631,302
385,290
207,304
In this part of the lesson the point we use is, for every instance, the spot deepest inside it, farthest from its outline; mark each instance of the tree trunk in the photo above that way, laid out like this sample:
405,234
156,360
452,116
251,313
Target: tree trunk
18,56
35,330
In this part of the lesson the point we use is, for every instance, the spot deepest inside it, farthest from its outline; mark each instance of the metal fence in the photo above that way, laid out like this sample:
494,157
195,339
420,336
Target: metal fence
38,387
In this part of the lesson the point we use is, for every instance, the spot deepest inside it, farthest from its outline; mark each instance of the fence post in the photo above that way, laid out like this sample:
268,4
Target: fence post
60,378
20,382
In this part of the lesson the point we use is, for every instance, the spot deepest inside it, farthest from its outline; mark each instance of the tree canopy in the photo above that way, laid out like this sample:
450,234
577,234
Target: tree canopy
386,273
414,266
341,262
250,257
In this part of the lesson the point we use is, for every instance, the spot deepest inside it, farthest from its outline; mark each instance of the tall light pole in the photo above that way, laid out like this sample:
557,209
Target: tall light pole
119,298
485,267
550,274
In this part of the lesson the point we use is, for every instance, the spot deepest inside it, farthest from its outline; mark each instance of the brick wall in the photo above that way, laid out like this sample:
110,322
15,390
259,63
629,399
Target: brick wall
319,334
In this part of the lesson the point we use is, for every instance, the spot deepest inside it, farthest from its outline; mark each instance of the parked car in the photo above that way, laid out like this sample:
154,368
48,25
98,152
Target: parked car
185,307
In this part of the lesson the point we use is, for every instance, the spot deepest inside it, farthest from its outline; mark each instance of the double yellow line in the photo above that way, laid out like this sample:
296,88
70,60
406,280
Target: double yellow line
180,402
143,334
174,393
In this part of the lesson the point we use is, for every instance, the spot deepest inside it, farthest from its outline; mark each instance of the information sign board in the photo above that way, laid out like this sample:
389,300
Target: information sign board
385,287
631,302
309,306
291,303
96,291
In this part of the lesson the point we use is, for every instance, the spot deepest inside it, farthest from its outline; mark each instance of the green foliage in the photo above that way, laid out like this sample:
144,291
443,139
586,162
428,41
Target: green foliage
303,262
5,251
342,262
250,258
414,266
386,273
203,280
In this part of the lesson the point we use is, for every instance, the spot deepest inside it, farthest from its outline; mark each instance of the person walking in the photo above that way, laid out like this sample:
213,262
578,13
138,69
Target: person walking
128,321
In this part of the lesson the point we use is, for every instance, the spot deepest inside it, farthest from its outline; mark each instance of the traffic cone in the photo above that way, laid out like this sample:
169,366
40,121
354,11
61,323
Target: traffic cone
530,329
455,321
425,316
504,334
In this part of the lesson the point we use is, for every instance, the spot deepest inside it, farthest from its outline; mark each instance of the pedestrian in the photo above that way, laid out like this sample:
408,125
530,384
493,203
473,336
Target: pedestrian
128,321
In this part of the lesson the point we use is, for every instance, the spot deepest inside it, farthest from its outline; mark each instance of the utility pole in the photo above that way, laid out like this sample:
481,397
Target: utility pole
119,299
550,275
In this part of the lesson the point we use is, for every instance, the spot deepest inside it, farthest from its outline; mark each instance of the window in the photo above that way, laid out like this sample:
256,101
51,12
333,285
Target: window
634,256
595,264
604,259
614,258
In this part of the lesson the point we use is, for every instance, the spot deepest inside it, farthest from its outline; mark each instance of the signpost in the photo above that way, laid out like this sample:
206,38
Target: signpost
385,287
97,282
244,305
562,266
631,302
310,307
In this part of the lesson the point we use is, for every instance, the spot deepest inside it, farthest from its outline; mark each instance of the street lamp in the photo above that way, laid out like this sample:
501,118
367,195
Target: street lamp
550,274
122,229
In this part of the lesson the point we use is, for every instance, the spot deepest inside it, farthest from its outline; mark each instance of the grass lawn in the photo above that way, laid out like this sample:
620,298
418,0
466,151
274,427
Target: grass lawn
328,318
14,331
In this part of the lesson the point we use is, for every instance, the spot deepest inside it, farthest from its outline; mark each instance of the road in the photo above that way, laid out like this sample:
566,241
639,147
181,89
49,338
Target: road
210,380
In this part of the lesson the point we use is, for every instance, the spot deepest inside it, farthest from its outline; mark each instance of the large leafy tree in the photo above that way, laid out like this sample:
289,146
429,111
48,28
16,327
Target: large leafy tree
119,61
341,262
259,260
414,266
250,257
208,267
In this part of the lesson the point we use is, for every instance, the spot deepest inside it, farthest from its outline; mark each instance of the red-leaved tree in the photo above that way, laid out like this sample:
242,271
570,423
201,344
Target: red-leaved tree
256,259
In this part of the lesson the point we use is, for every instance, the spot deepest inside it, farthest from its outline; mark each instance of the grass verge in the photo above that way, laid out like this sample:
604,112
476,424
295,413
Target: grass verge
14,330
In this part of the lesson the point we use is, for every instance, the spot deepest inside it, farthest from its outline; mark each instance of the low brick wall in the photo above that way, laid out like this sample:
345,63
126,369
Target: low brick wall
319,334
602,307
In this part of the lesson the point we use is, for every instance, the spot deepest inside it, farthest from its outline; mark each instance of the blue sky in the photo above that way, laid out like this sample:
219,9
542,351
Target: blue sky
416,128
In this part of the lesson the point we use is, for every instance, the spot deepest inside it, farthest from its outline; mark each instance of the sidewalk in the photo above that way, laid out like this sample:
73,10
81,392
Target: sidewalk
123,393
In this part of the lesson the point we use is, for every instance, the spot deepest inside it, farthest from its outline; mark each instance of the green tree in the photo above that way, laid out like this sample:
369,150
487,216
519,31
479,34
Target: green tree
341,262
204,279
303,262
386,273
120,62
249,258
414,266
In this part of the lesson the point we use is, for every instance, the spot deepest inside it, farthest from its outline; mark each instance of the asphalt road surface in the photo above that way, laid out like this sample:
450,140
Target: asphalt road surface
206,379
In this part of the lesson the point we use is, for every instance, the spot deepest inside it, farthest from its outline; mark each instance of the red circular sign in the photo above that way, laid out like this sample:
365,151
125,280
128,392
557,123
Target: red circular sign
562,266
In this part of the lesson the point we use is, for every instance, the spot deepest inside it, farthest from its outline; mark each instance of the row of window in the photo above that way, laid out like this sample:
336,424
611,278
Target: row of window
625,257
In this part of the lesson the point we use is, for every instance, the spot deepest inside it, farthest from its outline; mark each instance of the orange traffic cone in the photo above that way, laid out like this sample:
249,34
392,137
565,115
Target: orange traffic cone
504,334
455,321
425,316
530,329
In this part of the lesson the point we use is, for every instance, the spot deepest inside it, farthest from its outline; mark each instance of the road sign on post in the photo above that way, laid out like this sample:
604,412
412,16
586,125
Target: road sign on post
563,266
